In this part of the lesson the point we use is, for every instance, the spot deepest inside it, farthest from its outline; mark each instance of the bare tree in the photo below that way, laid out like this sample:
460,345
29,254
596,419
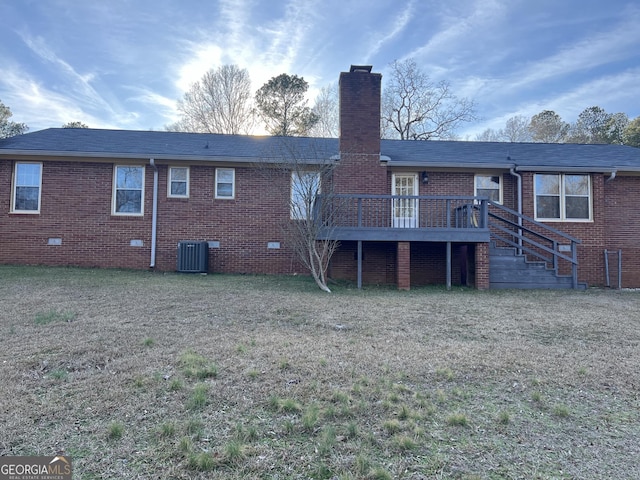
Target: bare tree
490,135
548,127
416,108
313,213
219,103
327,111
515,130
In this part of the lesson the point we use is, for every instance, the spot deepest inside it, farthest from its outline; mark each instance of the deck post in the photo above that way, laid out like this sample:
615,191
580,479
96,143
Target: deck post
619,269
574,265
359,264
448,265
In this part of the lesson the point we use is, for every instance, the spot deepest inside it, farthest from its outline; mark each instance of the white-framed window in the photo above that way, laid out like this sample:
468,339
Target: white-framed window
178,182
27,187
225,183
305,187
489,186
564,197
128,190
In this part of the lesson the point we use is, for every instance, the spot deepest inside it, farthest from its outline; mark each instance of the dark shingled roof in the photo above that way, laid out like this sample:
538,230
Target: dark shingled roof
244,148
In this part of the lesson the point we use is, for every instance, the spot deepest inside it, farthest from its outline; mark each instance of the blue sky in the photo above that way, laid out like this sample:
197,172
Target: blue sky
124,63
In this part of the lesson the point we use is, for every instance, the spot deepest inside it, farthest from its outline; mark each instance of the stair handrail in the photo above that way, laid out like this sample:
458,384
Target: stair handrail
573,259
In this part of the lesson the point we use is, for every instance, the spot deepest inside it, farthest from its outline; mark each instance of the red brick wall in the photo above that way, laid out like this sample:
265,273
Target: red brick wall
429,263
243,225
622,222
378,263
76,207
592,234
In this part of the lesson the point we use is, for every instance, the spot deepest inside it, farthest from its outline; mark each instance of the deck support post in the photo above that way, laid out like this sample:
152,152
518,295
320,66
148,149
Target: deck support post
359,264
448,265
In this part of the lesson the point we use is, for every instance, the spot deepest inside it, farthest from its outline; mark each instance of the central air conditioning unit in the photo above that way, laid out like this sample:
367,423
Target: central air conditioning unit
193,257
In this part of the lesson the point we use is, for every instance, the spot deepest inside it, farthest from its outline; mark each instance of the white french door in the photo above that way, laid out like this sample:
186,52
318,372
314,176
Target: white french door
405,210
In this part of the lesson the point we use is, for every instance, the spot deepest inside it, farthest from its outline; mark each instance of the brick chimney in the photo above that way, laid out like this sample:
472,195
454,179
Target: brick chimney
360,169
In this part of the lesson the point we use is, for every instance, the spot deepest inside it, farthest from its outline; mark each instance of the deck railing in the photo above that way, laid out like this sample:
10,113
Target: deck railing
401,211
538,241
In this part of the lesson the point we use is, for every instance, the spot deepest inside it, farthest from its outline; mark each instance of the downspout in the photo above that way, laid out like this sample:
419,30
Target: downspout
154,214
513,172
613,175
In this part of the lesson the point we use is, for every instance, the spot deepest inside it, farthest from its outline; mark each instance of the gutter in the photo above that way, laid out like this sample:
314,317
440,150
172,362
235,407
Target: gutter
585,169
154,214
451,166
110,156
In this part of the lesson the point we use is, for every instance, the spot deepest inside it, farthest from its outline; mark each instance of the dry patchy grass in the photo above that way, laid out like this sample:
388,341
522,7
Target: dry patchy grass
141,375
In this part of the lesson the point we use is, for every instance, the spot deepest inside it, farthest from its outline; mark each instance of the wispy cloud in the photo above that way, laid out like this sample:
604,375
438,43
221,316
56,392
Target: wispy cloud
164,107
609,92
81,84
201,59
593,51
458,29
400,22
39,105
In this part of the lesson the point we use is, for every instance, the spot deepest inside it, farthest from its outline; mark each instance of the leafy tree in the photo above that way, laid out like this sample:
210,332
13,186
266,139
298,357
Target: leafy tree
75,125
219,103
615,127
590,127
327,110
631,135
548,127
416,108
282,106
8,128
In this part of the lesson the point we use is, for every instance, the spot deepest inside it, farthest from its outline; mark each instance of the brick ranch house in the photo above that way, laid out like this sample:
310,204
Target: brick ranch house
491,215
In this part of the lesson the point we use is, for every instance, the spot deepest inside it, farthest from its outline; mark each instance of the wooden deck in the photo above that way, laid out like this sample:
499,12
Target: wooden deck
402,218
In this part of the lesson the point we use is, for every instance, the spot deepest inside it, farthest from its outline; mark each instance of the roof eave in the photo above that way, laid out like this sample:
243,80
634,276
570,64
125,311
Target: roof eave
457,166
574,169
145,156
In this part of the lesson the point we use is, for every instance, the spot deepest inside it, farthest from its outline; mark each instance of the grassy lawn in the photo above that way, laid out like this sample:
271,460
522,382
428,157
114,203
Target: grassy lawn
142,375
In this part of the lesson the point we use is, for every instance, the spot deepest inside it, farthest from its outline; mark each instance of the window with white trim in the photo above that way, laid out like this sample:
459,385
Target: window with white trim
564,197
128,190
305,186
27,186
178,183
489,186
225,183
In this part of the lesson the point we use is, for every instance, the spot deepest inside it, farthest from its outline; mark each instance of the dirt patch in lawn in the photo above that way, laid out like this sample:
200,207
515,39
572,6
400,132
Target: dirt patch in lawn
142,375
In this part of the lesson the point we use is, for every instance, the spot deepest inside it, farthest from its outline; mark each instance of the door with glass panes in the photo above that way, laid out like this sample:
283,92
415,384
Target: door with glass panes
405,210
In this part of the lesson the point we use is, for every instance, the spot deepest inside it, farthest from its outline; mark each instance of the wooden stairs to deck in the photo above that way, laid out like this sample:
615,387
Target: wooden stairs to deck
509,269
